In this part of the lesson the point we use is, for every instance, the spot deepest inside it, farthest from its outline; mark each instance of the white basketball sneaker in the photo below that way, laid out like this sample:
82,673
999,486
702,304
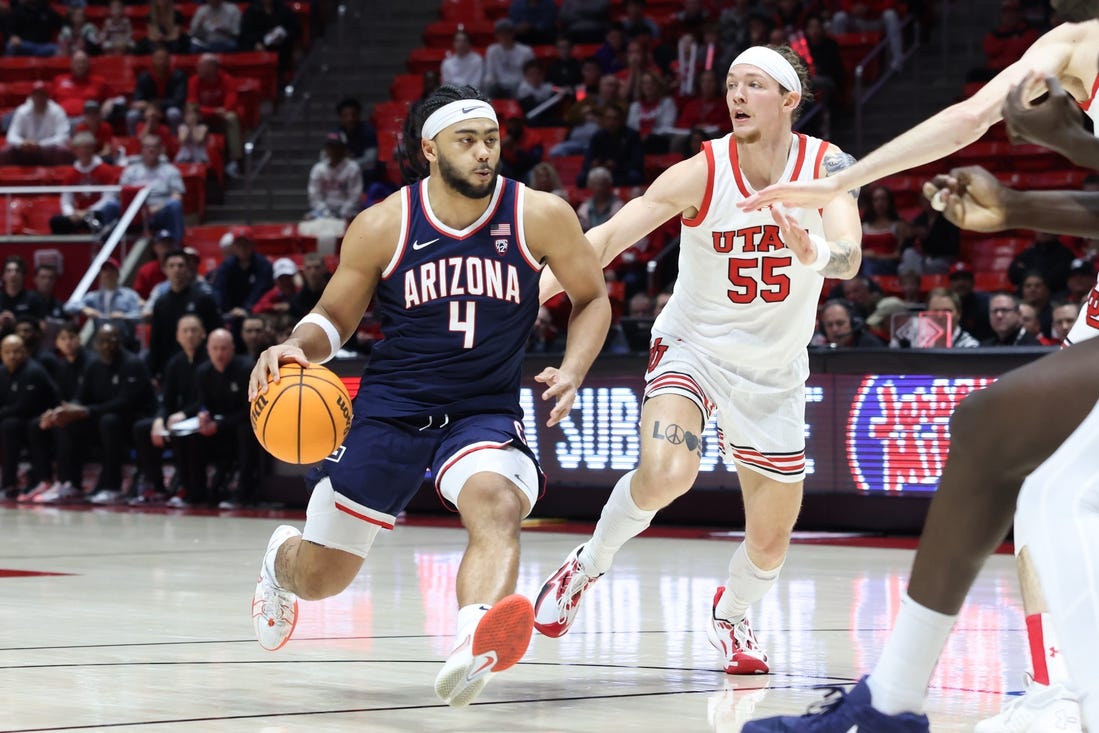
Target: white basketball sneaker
559,599
741,653
1041,709
274,610
497,642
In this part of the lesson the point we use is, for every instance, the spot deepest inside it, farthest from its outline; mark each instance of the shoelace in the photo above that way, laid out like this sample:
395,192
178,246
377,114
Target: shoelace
832,700
273,608
565,590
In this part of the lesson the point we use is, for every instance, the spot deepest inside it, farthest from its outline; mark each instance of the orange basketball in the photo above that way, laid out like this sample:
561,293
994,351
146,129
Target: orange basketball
303,417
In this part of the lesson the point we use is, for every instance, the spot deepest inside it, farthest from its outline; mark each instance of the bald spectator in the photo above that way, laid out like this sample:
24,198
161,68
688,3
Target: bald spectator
15,300
32,27
181,298
179,400
504,61
72,90
38,133
26,391
463,66
87,212
164,205
1007,322
215,27
224,432
215,93
115,392
161,84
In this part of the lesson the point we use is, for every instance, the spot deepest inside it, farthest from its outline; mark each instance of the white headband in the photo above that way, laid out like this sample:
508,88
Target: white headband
448,114
773,64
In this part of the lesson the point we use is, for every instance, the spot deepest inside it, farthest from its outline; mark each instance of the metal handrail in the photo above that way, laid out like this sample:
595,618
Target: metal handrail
863,96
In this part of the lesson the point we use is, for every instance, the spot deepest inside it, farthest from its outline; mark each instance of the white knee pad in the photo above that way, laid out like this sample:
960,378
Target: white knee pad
511,463
334,521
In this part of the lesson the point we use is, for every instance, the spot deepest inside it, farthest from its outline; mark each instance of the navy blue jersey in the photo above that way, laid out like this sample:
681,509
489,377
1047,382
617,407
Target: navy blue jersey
456,309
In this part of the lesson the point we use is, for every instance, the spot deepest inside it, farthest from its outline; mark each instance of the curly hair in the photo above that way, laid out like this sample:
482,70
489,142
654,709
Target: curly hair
414,166
803,75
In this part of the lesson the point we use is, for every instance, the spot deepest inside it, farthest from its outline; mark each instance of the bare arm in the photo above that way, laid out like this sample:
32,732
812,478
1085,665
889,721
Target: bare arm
1056,122
679,189
368,247
554,234
940,135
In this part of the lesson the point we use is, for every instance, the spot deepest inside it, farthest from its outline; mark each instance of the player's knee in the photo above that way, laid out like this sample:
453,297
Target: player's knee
663,482
489,503
768,545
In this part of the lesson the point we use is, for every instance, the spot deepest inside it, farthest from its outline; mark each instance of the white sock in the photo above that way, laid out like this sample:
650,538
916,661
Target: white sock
899,682
620,520
745,585
469,616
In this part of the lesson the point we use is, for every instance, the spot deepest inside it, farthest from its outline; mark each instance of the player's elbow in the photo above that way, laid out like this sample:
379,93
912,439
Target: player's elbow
967,122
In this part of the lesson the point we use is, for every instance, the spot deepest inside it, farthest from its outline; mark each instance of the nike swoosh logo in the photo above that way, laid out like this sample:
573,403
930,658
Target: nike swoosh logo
421,245
490,660
467,110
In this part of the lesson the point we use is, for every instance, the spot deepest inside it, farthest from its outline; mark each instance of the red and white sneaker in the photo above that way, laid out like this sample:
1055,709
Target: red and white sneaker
736,642
274,610
497,642
559,599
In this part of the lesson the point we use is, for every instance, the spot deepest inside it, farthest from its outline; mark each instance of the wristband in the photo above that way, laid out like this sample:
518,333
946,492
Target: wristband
824,252
334,340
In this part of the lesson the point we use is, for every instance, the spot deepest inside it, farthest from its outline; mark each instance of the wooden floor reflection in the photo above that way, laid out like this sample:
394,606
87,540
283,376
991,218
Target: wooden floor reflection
146,627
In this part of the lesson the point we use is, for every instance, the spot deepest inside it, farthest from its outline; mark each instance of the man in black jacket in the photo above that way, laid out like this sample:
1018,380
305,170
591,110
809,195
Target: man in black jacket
182,298
70,360
115,392
15,299
26,391
179,400
161,85
224,430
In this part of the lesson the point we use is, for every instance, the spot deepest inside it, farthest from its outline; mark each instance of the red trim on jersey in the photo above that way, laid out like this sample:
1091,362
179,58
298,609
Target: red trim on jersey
459,456
498,196
784,464
365,518
1094,90
704,207
406,227
674,380
820,158
734,160
520,231
803,143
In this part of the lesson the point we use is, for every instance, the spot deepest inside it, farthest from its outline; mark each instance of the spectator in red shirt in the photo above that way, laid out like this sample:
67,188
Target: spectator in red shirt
1006,43
151,273
72,90
215,92
82,212
708,110
154,125
94,124
277,299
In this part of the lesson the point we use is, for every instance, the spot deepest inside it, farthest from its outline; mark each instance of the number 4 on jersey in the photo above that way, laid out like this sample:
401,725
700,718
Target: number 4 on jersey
467,325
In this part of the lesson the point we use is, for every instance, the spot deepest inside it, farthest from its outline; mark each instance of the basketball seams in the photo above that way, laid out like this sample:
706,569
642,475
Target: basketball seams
299,381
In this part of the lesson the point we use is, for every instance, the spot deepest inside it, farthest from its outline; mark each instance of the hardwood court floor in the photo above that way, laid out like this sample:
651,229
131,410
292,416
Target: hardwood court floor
147,628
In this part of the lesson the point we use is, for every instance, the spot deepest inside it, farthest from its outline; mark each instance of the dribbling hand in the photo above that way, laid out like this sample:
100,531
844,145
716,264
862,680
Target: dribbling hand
562,386
267,366
970,198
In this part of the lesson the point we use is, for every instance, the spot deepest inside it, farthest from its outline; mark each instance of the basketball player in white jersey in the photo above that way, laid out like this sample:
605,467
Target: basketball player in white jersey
732,338
1024,447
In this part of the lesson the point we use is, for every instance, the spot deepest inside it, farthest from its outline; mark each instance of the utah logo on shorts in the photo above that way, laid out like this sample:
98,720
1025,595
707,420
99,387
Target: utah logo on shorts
336,455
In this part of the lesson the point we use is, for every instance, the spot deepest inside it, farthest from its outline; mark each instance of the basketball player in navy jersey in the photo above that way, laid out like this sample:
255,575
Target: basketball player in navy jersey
1023,447
732,339
453,263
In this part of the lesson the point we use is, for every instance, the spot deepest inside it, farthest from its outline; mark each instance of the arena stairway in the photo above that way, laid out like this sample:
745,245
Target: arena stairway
359,55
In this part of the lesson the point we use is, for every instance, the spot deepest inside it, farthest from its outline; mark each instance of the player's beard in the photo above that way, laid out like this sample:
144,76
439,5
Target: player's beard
470,190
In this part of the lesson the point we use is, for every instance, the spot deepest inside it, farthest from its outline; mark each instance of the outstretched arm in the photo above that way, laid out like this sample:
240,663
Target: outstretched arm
942,134
679,189
1056,122
554,233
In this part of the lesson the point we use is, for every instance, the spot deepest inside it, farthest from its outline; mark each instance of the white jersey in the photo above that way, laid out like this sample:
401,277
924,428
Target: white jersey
742,297
1087,323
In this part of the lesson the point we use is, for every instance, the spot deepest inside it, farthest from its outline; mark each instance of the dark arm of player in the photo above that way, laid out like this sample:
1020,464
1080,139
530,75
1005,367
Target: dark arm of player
1055,122
1075,213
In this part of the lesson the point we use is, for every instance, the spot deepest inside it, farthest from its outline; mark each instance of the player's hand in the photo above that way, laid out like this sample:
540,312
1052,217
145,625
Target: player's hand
562,387
970,198
805,195
267,366
1046,123
794,236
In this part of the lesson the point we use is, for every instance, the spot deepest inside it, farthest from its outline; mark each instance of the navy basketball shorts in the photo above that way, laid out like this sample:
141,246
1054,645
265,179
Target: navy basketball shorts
370,479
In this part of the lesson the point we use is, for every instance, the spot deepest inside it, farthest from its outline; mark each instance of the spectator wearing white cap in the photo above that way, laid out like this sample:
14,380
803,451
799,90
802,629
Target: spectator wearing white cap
87,211
38,133
277,299
335,182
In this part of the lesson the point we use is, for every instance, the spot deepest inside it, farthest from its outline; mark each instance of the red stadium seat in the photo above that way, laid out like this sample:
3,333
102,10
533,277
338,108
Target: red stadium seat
990,282
194,178
548,136
407,87
425,59
440,34
390,115
568,168
657,164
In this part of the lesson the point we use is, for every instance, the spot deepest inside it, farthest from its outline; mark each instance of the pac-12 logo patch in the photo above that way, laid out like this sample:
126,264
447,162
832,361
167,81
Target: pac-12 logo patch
336,455
501,247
